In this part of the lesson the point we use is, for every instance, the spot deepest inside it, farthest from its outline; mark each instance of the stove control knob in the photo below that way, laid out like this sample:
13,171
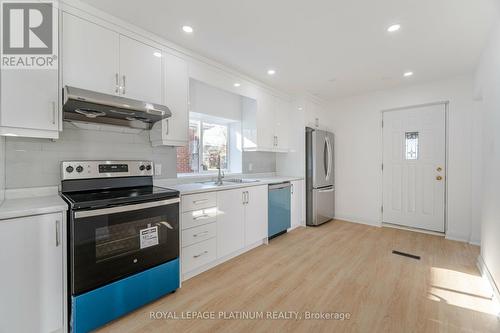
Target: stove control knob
69,169
148,167
142,167
79,169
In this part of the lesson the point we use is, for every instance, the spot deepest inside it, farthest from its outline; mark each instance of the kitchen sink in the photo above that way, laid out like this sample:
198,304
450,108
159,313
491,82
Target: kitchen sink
231,181
241,180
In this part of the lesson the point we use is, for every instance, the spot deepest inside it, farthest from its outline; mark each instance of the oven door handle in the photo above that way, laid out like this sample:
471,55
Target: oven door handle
165,224
125,208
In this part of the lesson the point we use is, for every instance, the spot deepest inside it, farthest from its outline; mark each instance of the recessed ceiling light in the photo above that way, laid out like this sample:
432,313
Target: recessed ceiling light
300,108
394,28
408,74
187,29
237,84
157,54
271,72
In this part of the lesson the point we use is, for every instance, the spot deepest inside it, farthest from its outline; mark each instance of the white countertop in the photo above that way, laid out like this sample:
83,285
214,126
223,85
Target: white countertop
199,187
19,207
28,202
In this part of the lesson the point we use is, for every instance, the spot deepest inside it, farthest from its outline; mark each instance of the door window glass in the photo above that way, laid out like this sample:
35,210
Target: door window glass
411,145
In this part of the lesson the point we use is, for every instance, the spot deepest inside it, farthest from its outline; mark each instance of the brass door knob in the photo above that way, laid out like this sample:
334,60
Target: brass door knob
439,178
439,169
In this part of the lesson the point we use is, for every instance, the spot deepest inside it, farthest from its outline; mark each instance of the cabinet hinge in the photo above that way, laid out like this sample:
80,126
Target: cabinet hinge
382,123
382,166
382,208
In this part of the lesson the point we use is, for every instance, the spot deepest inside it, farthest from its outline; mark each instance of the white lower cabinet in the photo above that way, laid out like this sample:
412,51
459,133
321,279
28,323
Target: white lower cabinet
230,221
218,225
198,234
32,279
198,255
256,214
296,202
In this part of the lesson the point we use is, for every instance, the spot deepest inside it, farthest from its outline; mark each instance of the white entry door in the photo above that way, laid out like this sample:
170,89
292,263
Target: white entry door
414,167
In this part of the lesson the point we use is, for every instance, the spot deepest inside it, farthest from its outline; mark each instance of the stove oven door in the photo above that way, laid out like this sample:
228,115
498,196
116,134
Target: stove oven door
111,243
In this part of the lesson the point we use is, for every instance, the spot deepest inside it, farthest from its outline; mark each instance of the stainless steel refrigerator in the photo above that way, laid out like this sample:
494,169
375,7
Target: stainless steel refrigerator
320,191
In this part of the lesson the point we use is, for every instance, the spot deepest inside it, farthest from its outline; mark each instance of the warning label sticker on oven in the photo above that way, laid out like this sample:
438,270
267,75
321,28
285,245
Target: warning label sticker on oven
149,237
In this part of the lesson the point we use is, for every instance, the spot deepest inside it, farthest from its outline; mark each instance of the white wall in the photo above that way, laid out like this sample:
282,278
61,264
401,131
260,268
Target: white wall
356,122
487,92
304,113
2,168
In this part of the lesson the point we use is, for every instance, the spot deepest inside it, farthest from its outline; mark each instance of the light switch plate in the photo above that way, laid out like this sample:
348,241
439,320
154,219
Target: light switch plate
157,169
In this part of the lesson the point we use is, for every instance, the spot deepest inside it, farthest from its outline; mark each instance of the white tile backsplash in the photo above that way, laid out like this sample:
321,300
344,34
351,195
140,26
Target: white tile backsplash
36,162
261,162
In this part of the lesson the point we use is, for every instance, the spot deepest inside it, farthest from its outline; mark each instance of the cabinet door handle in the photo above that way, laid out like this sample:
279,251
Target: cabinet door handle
201,233
168,126
201,217
124,84
291,189
53,112
199,255
58,236
248,197
117,83
196,202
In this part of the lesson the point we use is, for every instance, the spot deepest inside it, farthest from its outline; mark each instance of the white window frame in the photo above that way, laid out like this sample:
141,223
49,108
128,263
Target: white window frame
200,150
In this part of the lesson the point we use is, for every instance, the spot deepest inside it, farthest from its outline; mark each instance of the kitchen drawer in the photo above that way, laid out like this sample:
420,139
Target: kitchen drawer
199,254
199,217
198,234
198,201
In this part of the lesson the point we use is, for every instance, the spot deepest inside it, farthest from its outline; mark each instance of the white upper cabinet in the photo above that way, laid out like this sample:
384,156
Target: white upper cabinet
140,71
258,123
282,125
30,103
255,214
33,276
265,124
90,56
30,99
102,60
173,131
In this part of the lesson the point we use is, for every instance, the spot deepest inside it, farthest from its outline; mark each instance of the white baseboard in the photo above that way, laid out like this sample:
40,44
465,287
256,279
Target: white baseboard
487,275
423,231
461,238
357,220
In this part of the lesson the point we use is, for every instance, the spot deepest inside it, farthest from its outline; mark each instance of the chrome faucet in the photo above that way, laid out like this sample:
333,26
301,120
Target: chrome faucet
220,174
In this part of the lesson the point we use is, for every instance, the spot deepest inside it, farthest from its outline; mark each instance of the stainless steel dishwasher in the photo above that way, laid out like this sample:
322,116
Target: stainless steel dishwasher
279,209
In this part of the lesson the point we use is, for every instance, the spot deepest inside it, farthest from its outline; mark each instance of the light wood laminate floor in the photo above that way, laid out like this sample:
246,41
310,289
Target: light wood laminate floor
337,267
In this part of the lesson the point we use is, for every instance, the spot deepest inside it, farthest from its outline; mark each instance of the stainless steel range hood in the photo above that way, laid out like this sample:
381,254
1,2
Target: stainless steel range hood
82,105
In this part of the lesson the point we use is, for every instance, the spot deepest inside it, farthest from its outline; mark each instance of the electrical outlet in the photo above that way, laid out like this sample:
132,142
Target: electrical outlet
250,166
157,169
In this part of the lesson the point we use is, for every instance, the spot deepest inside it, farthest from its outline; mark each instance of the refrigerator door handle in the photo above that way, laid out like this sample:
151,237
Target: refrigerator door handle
325,190
329,150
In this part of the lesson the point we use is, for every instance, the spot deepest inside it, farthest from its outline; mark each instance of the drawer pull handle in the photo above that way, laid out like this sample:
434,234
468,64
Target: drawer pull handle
197,202
204,216
199,255
201,233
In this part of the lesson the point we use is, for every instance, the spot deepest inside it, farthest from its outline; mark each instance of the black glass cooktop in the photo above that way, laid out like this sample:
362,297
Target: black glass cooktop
111,197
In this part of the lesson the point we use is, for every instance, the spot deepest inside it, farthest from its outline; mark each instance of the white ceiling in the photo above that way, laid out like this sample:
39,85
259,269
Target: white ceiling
330,48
